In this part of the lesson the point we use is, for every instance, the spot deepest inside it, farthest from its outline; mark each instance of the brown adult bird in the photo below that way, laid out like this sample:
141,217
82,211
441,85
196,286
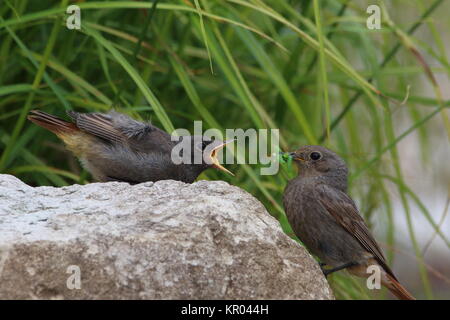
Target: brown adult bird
115,147
327,220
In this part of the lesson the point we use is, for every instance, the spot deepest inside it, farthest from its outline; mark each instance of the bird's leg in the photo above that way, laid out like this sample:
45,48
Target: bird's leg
344,266
322,267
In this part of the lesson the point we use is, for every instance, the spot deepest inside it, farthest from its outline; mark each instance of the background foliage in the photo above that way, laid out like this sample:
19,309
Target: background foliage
310,68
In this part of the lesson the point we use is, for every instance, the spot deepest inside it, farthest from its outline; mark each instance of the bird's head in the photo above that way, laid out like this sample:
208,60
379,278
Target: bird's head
200,153
318,161
209,149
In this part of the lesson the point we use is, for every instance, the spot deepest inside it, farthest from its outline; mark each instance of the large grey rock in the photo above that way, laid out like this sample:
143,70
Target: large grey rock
163,240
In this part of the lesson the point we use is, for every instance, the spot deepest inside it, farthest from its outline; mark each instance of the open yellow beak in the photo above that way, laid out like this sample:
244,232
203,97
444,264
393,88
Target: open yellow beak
215,161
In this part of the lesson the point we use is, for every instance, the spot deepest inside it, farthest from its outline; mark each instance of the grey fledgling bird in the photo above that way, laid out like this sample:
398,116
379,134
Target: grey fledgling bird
327,220
115,147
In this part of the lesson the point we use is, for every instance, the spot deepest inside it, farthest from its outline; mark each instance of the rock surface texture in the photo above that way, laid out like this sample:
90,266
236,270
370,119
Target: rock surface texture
163,240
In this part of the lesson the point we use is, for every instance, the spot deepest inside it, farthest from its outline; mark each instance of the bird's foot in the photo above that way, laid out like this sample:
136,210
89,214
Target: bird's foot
322,267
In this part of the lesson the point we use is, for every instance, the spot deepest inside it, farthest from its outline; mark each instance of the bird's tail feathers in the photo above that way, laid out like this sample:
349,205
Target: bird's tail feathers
397,289
51,123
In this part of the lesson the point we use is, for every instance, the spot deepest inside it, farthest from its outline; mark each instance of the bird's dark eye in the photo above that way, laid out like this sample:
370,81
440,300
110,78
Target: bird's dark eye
315,155
203,145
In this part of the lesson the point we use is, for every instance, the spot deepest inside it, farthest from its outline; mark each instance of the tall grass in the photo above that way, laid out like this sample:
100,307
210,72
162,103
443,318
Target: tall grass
310,68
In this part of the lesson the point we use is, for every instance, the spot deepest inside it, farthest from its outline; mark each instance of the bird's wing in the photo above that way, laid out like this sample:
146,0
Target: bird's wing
119,128
343,209
98,124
